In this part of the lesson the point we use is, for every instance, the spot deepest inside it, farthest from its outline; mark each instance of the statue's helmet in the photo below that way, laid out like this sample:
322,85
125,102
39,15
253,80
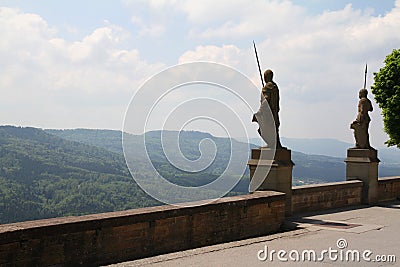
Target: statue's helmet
268,75
363,92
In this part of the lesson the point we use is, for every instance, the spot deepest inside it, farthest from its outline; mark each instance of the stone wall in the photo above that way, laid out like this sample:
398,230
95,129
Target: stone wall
317,197
388,188
106,238
127,235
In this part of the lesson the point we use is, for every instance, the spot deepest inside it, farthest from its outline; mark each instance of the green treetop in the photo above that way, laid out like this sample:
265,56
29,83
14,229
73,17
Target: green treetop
386,89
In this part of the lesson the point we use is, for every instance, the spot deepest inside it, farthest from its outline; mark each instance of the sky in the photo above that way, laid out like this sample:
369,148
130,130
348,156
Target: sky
77,64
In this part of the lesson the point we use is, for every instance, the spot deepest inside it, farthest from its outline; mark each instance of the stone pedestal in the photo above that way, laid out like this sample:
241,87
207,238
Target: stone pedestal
362,164
272,172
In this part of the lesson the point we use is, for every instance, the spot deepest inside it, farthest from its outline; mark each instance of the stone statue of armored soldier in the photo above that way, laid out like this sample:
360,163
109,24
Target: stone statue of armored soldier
270,97
361,123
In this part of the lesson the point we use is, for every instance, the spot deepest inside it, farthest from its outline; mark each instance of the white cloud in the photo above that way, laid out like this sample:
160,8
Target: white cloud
227,54
152,29
44,77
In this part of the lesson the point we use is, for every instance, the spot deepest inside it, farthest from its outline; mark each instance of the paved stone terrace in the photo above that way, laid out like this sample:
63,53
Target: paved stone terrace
375,228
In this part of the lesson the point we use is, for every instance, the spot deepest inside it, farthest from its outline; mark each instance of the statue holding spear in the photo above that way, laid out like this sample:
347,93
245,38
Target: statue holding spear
361,124
270,97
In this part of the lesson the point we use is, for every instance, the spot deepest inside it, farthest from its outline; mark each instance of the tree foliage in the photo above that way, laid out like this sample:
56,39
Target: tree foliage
43,176
386,89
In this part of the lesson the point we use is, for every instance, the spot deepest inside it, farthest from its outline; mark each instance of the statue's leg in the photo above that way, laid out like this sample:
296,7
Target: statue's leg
368,145
277,124
356,137
363,136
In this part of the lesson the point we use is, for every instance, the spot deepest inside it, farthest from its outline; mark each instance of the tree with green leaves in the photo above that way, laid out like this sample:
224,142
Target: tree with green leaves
386,89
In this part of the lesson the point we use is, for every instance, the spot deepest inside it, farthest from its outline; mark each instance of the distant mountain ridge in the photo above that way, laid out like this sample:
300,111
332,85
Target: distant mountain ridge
330,147
309,168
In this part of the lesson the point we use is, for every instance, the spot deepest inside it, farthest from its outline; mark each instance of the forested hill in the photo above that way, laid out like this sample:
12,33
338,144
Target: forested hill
51,173
189,145
107,139
43,175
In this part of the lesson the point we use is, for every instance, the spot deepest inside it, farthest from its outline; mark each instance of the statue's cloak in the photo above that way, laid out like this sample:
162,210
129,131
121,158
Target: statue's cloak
266,125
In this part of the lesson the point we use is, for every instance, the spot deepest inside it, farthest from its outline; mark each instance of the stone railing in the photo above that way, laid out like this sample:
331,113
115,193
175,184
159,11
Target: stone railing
388,188
317,197
105,238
